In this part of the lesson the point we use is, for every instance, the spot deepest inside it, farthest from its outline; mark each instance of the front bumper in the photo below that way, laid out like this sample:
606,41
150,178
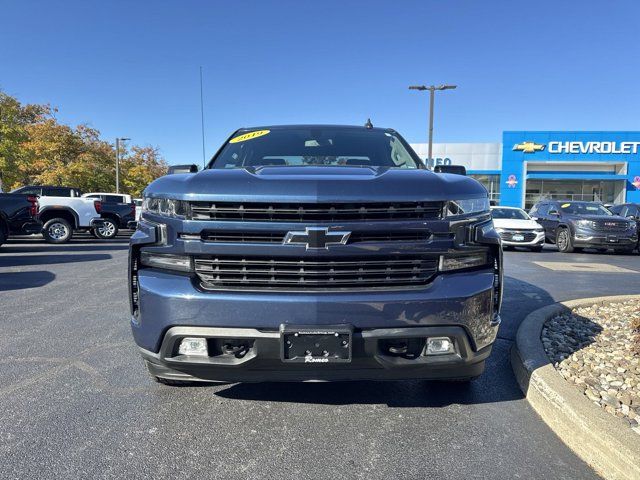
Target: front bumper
262,363
538,241
600,240
459,305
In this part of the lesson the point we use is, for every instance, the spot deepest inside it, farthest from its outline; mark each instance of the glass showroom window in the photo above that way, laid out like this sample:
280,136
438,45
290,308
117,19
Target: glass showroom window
492,184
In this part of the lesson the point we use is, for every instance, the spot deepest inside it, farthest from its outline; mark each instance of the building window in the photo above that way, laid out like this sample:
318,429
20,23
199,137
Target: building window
492,184
588,190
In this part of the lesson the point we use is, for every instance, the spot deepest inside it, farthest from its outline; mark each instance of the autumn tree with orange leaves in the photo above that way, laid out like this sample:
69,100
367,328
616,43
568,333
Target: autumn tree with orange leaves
37,149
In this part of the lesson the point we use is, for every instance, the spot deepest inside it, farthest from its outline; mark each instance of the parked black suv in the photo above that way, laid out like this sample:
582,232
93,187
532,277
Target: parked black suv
573,226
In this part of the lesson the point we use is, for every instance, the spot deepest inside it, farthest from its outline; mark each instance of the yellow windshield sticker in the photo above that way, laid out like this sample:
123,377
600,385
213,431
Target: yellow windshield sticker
249,136
565,205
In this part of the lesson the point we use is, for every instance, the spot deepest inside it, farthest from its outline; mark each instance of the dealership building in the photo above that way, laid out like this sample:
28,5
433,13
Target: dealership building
529,166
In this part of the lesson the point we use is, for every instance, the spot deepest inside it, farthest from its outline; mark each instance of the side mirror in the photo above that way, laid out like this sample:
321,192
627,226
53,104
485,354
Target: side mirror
456,169
193,168
534,218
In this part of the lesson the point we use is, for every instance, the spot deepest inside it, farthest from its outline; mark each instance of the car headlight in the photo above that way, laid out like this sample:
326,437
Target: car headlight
457,208
538,230
633,225
167,207
584,223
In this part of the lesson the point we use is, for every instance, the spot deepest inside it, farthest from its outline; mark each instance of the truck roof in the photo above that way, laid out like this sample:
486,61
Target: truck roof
317,125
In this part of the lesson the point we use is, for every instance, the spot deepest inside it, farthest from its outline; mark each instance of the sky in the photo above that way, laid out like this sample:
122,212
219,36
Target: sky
131,68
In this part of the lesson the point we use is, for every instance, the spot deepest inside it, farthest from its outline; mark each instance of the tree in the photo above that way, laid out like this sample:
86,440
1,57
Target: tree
139,168
14,121
36,149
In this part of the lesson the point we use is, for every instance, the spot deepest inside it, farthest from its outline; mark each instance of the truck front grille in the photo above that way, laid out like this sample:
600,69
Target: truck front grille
274,273
230,236
314,212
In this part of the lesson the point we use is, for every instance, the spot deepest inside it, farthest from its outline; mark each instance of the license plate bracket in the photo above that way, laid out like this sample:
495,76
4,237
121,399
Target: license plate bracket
316,344
612,238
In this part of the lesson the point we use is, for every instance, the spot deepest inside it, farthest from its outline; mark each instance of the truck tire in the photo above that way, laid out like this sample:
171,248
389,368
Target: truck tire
57,230
108,229
564,241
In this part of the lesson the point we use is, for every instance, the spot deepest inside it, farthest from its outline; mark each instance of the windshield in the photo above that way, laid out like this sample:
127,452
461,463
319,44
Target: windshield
510,213
578,208
316,146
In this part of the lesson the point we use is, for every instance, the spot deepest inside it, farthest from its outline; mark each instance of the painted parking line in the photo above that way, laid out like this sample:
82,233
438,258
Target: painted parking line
584,267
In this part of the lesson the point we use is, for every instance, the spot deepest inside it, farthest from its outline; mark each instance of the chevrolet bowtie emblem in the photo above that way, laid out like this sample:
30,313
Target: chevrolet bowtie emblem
316,238
528,147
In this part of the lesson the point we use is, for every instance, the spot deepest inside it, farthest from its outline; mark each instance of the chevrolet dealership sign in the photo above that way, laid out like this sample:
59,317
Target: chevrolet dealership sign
594,147
616,148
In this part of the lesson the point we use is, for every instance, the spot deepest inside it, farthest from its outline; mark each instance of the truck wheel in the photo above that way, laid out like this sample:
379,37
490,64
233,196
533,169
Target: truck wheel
563,241
107,230
57,230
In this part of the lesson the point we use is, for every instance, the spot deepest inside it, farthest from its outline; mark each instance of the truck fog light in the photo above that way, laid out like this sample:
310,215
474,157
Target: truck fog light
193,346
439,346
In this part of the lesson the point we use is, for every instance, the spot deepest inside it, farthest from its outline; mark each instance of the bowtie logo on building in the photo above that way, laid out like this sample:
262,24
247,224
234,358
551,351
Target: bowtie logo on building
528,147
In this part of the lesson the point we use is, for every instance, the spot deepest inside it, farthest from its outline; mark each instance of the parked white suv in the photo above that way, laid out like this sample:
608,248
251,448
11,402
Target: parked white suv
63,211
517,228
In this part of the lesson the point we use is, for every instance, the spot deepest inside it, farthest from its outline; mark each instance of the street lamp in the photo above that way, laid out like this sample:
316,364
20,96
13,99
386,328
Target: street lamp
118,140
432,89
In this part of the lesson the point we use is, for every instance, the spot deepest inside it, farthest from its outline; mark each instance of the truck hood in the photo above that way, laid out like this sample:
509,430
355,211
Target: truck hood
315,184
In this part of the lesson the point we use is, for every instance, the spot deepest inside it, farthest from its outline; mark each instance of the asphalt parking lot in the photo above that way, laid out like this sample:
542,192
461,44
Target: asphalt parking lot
76,401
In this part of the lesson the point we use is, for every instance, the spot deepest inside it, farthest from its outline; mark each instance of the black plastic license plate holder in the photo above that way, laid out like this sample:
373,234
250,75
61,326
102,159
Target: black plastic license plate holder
316,345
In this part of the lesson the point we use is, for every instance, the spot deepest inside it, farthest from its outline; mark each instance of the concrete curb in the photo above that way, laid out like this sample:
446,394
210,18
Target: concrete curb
603,441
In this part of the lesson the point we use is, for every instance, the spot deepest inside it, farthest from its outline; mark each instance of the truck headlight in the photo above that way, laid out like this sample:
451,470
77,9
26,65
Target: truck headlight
167,207
459,262
457,208
180,263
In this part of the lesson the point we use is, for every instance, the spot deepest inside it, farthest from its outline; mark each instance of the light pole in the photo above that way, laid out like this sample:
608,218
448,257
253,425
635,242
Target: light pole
432,90
118,140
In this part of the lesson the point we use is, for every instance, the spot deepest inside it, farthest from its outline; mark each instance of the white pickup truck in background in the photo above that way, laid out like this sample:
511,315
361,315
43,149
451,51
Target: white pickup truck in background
63,211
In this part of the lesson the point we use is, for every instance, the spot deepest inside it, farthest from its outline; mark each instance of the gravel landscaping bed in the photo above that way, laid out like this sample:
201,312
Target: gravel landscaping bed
597,348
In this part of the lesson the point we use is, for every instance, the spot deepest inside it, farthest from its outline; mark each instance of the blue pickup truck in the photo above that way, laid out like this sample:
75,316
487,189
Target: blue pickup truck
315,253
